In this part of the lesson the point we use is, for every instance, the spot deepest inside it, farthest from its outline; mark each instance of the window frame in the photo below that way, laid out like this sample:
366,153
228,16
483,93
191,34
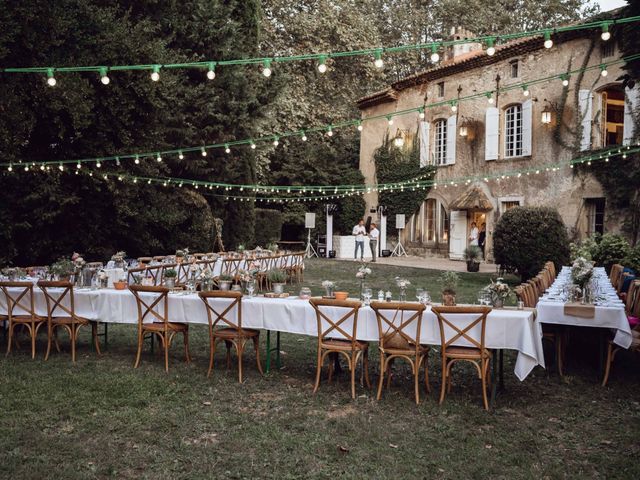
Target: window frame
440,132
595,207
513,131
440,89
514,64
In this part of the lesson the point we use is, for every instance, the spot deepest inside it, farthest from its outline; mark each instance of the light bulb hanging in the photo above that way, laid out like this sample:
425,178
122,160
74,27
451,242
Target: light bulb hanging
322,66
389,120
98,164
525,90
180,155
266,67
565,80
378,62
421,113
227,149
51,80
329,131
211,73
491,50
104,78
359,126
434,53
454,106
137,160
304,136
276,141
203,151
158,158
548,43
603,70
605,35
155,74
253,145
490,97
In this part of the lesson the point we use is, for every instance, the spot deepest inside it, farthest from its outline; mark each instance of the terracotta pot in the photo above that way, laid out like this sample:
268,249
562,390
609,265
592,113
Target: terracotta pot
448,299
341,295
119,285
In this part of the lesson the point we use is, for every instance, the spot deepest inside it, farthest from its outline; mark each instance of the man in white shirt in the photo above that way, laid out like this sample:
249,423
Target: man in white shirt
374,233
359,231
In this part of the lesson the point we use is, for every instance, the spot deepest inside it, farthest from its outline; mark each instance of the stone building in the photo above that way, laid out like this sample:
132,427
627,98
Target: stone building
521,128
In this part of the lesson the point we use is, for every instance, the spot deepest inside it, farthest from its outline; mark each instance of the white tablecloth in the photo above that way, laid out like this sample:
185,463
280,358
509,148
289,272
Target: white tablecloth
506,329
610,314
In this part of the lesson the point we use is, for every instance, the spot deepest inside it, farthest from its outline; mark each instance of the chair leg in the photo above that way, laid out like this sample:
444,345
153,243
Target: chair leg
443,387
94,333
610,357
212,352
33,331
227,343
318,371
485,365
49,335
426,373
187,355
353,375
165,346
72,334
416,382
389,374
239,351
139,353
365,366
383,369
10,339
256,349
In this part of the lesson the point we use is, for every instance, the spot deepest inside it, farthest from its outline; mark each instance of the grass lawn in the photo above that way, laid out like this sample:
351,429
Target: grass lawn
101,418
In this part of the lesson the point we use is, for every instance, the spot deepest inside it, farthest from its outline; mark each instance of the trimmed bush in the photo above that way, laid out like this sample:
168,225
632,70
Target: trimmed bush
633,259
611,249
268,226
526,237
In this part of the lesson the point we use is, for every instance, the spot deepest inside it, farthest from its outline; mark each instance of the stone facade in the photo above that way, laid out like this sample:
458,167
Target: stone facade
580,114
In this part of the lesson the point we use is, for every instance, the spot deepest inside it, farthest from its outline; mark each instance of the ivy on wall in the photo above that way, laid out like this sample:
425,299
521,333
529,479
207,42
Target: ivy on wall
396,164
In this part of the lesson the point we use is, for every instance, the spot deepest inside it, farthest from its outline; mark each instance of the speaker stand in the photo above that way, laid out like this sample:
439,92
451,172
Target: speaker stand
399,251
309,251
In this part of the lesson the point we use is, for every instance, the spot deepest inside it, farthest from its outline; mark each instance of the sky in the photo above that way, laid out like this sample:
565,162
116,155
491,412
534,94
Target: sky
606,5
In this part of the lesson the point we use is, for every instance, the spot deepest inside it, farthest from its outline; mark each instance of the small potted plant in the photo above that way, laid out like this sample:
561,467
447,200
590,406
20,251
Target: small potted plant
473,255
402,284
272,247
118,259
170,276
277,278
329,287
449,282
63,269
224,281
499,292
181,254
121,284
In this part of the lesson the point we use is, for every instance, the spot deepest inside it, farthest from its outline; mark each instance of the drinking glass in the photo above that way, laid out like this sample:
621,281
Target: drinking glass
251,287
420,294
426,298
367,293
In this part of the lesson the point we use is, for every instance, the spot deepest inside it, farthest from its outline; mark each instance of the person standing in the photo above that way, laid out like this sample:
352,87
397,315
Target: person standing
374,233
482,237
473,236
359,232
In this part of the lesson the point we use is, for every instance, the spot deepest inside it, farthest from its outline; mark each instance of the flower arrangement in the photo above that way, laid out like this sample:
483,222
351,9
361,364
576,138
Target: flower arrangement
64,267
402,283
13,272
241,248
206,274
119,256
328,284
499,291
103,278
363,271
581,272
78,261
449,282
276,276
249,273
225,277
272,247
181,253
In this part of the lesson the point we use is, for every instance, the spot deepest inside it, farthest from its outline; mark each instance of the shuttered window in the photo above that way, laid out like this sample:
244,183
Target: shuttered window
513,131
440,144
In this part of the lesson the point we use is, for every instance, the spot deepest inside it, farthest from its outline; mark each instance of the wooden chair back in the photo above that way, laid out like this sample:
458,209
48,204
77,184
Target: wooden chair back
154,305
399,324
155,273
552,269
222,316
231,266
21,301
345,327
632,302
55,299
159,258
458,323
144,260
96,265
615,274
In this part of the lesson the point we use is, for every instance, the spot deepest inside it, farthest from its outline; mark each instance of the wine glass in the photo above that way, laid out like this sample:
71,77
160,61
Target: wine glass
367,293
251,287
426,298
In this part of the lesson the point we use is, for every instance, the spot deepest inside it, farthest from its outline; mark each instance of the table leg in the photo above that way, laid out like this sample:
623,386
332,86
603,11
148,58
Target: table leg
268,360
278,362
271,350
501,386
497,374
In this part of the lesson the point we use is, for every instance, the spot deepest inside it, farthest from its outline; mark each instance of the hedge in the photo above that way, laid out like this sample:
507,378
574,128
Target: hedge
268,226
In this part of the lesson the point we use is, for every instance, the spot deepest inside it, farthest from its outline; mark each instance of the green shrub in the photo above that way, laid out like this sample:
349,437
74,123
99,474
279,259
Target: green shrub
632,259
587,248
612,248
526,237
268,226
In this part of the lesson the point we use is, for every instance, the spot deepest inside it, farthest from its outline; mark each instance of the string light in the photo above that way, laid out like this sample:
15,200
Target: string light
78,165
104,78
158,158
227,149
322,66
253,145
266,67
359,126
98,164
548,43
605,35
434,53
491,50
137,160
603,70
304,136
329,131
490,97
51,80
155,74
203,152
211,73
454,106
276,142
525,90
421,113
565,80
180,155
61,167
378,62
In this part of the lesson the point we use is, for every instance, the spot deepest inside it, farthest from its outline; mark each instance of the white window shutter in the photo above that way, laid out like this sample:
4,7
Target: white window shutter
585,102
424,144
631,103
527,116
492,129
452,134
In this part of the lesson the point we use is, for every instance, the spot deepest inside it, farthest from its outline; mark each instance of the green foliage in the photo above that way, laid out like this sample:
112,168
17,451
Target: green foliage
277,276
62,267
472,253
587,248
604,250
268,226
526,237
395,164
449,281
170,273
350,209
632,260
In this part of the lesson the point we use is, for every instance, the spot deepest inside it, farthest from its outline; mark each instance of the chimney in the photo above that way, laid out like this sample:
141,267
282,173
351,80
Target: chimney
461,33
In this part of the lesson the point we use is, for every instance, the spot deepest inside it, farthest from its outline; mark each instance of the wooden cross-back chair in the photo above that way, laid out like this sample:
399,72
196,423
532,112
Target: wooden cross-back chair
153,304
21,311
144,260
347,345
231,266
223,328
399,330
62,316
459,327
159,258
183,270
264,265
155,272
615,274
294,266
632,310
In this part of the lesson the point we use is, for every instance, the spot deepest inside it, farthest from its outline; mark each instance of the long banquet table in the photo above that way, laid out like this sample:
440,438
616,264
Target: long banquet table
609,313
506,328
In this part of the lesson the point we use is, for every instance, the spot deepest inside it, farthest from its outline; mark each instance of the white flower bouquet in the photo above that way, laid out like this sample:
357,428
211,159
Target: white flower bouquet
402,283
581,272
498,290
362,272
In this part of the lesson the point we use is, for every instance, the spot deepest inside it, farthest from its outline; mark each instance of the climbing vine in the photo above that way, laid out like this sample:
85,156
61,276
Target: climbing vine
396,164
